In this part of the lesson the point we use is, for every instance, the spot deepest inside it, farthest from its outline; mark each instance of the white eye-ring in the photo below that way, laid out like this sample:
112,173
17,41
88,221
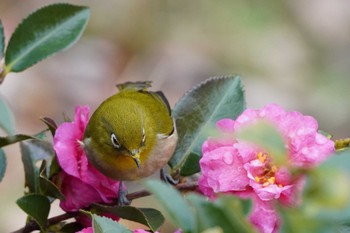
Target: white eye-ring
115,141
143,137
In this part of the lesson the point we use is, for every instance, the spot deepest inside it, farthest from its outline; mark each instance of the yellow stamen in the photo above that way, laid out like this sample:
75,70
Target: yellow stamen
262,157
268,176
271,180
266,184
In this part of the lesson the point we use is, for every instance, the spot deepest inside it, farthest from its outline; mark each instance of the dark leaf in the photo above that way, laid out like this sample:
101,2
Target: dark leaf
37,207
43,33
50,123
32,152
48,188
5,141
55,167
191,165
177,208
146,216
7,120
71,227
3,164
197,112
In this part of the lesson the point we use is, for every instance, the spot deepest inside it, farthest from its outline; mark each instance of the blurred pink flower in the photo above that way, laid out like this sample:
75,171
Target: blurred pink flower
144,231
86,230
232,166
79,181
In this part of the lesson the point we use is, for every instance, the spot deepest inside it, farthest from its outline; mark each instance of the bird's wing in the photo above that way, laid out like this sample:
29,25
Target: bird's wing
137,86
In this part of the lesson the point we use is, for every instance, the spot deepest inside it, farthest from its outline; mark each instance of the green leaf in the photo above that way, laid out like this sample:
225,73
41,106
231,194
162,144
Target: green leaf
326,199
71,227
48,188
32,152
197,112
180,213
43,33
51,124
191,166
226,213
3,164
328,192
2,41
266,136
54,167
5,141
7,120
37,207
146,216
107,225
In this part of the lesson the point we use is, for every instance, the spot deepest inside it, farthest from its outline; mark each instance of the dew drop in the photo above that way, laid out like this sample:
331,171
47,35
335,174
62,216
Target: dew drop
228,158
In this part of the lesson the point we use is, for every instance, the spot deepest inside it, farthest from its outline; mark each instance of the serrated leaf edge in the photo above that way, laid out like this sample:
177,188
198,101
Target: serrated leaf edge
8,67
205,82
133,208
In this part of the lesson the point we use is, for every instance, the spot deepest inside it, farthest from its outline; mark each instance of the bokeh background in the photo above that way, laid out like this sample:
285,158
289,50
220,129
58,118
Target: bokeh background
295,53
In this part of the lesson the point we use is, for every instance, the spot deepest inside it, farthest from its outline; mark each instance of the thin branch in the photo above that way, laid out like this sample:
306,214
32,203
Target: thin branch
181,187
32,225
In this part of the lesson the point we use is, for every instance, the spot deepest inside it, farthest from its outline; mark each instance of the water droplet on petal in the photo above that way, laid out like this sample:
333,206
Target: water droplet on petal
228,158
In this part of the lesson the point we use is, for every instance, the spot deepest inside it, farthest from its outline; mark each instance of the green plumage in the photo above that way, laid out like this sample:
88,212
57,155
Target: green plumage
138,119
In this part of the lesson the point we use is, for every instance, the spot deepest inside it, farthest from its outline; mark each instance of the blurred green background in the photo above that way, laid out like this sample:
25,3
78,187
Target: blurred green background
295,53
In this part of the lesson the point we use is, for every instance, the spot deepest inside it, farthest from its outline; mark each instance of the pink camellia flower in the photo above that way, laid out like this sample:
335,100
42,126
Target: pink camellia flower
230,165
86,230
80,182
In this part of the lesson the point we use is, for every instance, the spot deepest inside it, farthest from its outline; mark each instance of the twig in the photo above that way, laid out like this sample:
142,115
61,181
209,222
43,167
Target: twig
32,225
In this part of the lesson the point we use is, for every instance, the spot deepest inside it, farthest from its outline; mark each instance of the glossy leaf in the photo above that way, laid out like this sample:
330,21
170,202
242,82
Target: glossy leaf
3,164
146,216
2,41
197,112
7,120
71,227
32,152
225,212
180,213
191,166
37,207
107,225
48,188
43,33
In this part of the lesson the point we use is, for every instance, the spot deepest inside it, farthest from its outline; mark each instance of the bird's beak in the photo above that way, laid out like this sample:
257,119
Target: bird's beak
135,155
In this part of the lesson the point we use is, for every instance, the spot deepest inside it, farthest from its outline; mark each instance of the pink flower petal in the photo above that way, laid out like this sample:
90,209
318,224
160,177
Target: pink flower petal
264,216
224,171
226,125
86,230
245,170
81,183
77,194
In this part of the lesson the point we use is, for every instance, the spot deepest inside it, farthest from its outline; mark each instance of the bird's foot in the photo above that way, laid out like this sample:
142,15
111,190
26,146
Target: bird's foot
122,195
167,178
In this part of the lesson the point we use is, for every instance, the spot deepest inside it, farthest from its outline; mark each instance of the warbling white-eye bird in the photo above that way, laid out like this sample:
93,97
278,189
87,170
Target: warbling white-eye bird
131,134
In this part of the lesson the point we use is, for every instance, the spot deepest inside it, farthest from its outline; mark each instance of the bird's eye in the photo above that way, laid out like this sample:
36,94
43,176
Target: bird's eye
115,141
